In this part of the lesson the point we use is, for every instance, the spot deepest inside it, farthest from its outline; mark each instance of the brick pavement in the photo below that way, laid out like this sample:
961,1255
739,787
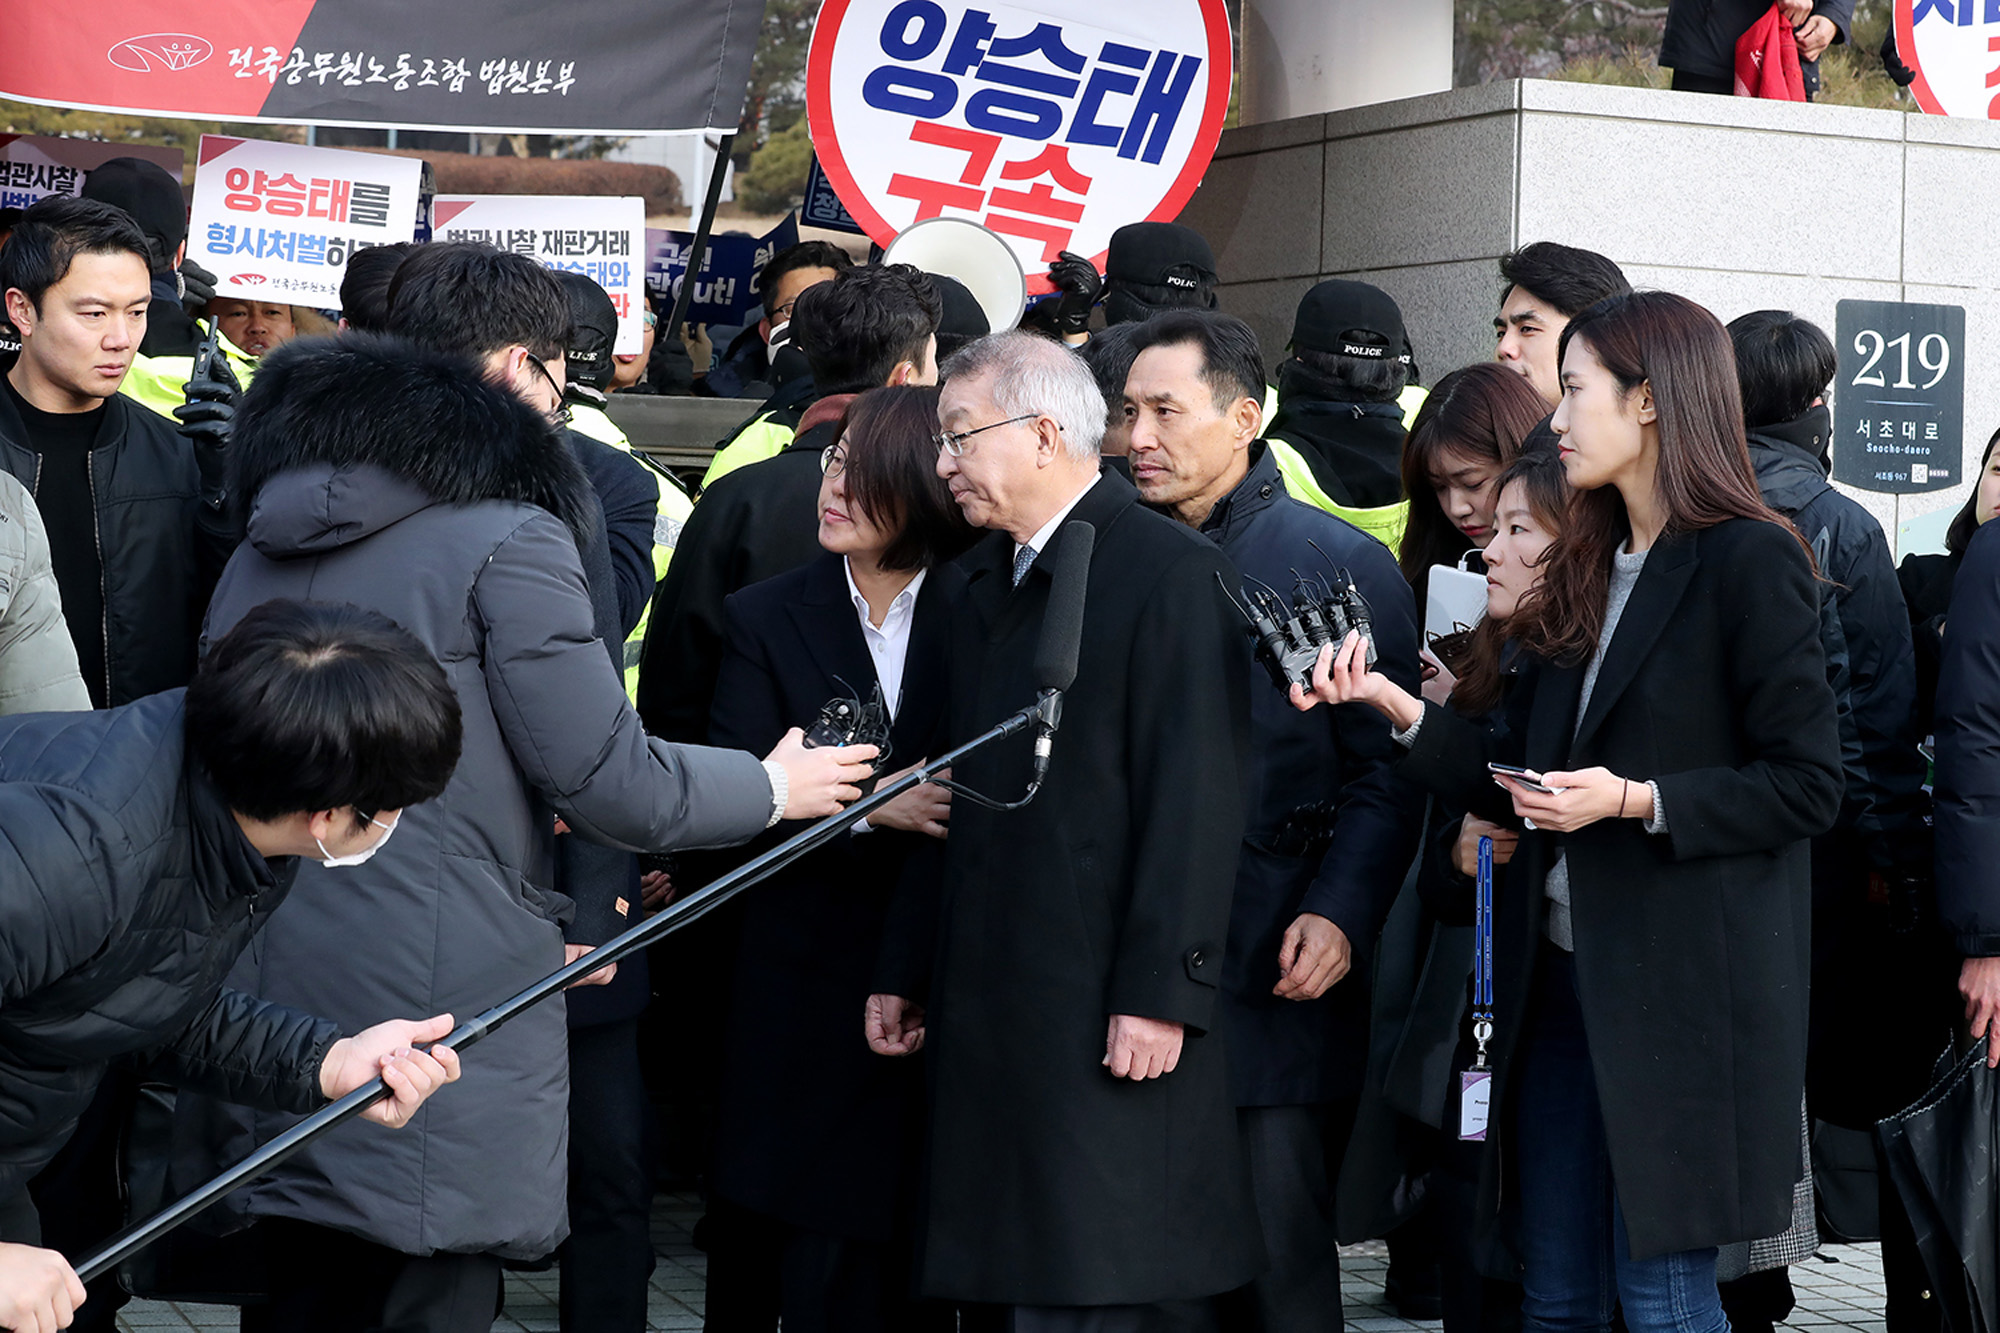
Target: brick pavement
1840,1288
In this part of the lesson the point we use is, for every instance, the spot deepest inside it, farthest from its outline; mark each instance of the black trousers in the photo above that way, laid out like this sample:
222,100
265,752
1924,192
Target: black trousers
326,1281
762,1270
1294,1153
1160,1317
77,1195
608,1258
1722,84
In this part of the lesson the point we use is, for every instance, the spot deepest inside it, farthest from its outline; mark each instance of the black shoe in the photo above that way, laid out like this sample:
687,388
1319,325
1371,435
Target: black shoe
1421,1299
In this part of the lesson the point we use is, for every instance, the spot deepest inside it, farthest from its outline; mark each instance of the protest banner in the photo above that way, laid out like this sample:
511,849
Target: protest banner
728,287
277,221
511,66
1953,47
1053,125
34,166
822,206
601,237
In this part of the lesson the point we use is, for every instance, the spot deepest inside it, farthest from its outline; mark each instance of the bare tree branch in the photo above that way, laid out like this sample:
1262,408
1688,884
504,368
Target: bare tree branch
1625,7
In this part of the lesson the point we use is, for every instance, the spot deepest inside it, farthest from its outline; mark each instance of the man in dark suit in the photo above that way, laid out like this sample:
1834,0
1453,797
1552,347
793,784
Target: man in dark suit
1084,1169
1331,830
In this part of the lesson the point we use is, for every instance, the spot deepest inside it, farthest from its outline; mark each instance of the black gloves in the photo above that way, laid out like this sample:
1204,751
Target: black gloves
197,287
207,417
1077,280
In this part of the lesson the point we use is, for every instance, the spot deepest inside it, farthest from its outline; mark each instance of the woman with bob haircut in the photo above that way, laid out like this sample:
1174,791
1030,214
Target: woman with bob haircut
1652,942
1469,429
806,1201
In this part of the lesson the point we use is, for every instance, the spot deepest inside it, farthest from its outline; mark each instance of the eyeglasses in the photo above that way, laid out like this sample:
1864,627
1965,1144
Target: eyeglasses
832,461
953,442
559,414
649,319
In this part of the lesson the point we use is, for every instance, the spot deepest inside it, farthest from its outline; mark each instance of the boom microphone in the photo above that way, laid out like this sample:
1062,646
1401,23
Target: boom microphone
1062,637
1062,622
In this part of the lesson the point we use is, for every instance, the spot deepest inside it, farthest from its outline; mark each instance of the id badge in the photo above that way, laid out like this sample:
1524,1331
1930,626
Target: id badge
1475,1104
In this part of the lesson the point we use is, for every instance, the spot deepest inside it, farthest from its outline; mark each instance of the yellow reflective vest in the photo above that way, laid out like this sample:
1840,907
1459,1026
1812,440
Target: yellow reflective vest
765,437
1385,523
674,508
160,382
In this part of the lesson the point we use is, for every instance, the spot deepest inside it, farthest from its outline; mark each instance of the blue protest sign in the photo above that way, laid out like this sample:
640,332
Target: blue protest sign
726,289
822,207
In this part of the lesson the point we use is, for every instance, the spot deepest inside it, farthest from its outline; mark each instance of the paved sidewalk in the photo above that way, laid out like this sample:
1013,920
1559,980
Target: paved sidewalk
1840,1288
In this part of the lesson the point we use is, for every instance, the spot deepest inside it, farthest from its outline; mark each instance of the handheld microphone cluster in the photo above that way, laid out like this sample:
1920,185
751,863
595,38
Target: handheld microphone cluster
1290,634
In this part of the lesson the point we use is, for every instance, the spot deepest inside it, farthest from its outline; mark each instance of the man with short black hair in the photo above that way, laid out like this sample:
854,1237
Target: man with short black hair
1338,431
149,194
746,366
1331,829
147,844
1544,287
138,528
869,327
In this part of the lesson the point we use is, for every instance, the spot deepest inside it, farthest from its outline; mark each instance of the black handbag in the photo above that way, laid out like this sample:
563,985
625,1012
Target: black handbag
1940,1155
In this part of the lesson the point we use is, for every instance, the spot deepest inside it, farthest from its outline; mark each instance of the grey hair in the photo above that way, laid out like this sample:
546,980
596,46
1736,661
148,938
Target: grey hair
1032,375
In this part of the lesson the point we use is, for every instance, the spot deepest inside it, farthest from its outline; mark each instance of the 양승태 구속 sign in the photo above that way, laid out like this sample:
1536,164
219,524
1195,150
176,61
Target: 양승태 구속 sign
277,221
1053,124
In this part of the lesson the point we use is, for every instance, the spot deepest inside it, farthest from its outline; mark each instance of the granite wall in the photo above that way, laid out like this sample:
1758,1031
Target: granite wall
1739,204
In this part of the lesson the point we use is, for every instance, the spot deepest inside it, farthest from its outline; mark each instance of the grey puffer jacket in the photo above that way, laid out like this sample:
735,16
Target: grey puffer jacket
126,892
397,479
38,671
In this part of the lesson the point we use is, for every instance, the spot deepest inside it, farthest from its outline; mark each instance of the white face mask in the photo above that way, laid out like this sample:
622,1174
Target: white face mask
329,859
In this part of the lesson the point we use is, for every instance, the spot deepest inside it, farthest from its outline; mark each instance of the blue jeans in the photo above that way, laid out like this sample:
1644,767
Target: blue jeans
1576,1259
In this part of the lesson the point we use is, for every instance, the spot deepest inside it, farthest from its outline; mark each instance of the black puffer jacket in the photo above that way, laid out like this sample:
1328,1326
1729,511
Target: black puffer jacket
126,893
163,539
1866,633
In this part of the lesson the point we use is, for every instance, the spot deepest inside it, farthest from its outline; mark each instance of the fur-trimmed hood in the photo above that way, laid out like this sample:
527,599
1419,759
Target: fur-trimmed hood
325,419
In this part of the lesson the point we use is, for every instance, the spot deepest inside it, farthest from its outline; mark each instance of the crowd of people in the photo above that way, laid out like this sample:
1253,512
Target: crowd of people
384,623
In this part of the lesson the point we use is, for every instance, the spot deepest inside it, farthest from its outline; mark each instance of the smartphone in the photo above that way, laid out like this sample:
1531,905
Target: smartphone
1526,777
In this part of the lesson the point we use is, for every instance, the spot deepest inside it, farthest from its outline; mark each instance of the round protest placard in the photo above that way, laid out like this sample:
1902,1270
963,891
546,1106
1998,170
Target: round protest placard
1953,46
1053,125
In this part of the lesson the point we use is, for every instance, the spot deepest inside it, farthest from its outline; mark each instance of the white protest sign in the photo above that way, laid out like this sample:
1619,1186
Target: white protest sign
603,238
1052,122
1953,46
277,221
35,166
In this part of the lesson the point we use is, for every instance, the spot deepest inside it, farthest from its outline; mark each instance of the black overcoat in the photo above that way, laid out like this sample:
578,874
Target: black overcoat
1333,767
811,1119
1693,946
1050,1182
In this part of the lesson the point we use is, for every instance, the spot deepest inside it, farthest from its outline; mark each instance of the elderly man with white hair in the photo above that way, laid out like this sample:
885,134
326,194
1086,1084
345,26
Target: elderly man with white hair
1084,1167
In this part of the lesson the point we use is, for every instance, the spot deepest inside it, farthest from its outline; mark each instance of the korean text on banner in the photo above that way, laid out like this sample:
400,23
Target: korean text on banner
728,287
1953,47
602,238
34,166
277,221
1052,124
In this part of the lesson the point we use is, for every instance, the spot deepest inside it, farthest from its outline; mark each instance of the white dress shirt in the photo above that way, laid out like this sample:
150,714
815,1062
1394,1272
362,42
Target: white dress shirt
889,645
1040,541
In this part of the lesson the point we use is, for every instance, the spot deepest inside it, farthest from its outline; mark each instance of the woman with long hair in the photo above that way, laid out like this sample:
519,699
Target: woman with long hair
811,1185
1469,429
1651,941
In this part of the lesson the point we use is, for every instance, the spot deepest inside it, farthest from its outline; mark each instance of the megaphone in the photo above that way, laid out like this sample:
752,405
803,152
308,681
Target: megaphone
962,249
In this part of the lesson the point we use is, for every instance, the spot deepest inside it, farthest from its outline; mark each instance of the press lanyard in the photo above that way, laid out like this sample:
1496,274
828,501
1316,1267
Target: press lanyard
1475,1085
1482,956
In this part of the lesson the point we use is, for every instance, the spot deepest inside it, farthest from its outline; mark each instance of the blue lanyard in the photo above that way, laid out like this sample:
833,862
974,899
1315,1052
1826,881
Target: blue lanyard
1482,955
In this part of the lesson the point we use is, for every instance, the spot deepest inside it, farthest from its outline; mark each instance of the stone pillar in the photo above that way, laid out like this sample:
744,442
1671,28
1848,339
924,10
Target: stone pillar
1304,57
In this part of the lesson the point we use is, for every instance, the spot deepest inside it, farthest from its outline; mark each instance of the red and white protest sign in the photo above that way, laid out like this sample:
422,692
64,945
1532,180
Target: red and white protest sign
1052,125
34,166
277,221
603,238
1954,48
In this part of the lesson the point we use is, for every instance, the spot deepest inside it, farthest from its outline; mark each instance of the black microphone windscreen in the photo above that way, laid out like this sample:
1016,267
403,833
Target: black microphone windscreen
1062,621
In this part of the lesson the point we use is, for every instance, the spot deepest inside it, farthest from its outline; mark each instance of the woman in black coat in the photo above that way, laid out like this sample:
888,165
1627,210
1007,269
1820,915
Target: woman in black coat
1651,940
812,1206
1927,581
